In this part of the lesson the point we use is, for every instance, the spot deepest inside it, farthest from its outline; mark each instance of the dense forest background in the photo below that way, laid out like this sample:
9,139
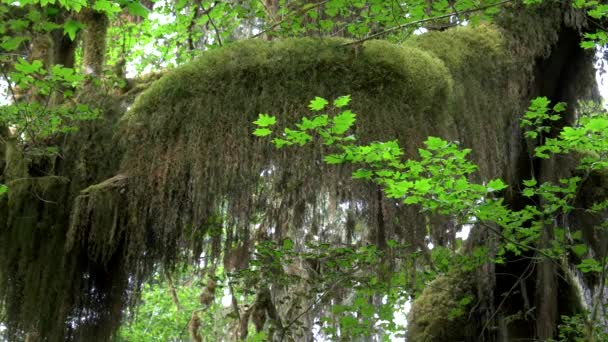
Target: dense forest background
277,170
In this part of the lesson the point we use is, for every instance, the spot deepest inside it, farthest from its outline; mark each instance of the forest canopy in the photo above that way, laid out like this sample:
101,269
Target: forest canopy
277,170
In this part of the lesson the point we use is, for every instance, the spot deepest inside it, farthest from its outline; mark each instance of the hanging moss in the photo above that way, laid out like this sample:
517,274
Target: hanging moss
94,40
44,286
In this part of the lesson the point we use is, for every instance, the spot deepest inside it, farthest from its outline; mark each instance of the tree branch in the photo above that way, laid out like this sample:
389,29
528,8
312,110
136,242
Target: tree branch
299,11
422,21
208,13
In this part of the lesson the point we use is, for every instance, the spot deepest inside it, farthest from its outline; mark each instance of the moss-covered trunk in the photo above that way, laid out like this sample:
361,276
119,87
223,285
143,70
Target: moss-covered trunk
82,232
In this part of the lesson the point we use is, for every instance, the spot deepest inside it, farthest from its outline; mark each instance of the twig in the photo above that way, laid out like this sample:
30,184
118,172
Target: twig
172,291
310,307
299,11
497,232
519,280
190,27
422,21
207,12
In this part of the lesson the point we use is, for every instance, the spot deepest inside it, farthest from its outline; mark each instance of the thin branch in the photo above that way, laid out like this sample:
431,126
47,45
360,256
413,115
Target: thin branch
519,280
173,291
422,21
297,12
310,307
208,13
523,246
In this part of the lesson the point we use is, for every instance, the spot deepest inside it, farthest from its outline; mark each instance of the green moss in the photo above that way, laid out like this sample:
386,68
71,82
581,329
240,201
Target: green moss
94,40
43,284
96,220
486,105
441,313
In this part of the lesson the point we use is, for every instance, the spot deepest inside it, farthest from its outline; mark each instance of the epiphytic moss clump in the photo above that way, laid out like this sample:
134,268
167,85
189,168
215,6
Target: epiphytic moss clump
442,312
190,156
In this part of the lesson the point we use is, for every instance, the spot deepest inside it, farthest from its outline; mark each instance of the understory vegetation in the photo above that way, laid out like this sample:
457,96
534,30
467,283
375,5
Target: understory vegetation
278,170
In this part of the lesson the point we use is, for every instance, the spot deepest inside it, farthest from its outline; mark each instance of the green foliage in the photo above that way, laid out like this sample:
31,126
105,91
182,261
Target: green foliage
538,117
439,183
598,11
588,136
37,116
579,328
377,294
158,317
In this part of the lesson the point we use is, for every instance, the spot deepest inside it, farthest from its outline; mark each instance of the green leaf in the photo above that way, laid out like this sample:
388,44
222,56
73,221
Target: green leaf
362,174
278,142
318,104
342,101
579,249
262,132
71,27
47,26
3,189
496,185
334,159
106,6
528,192
136,8
577,235
18,25
559,107
590,265
316,122
597,125
423,185
348,322
412,200
12,43
265,120
588,44
531,135
288,244
29,68
434,143
342,122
